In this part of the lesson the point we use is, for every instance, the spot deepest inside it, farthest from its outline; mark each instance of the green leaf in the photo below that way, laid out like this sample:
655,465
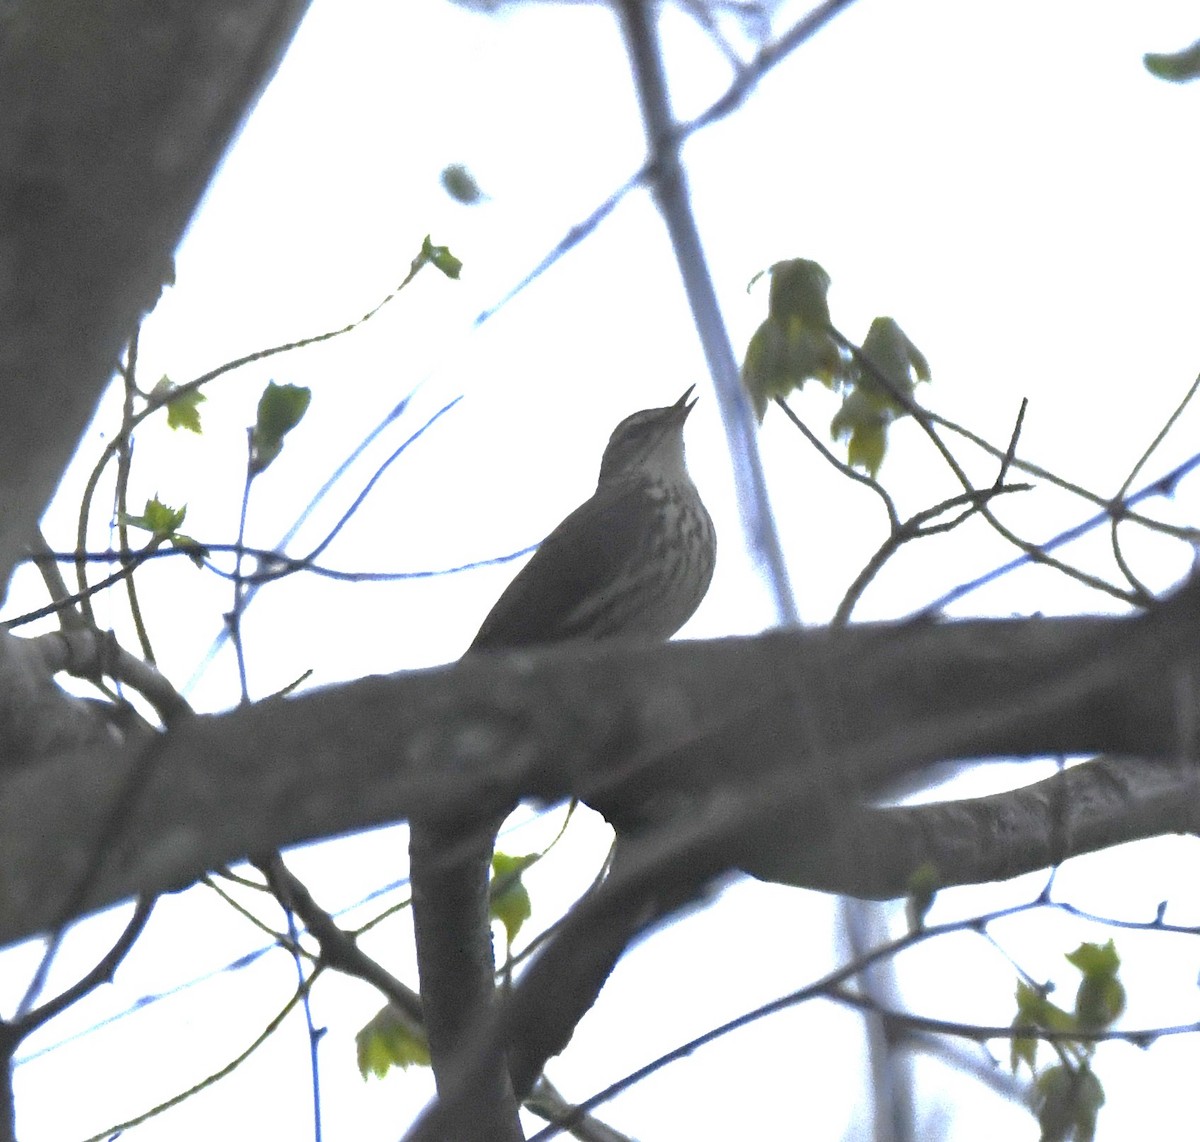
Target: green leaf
509,899
438,256
861,419
389,1040
884,375
460,185
1024,1050
1100,999
1035,1011
183,410
799,290
1176,67
894,362
1096,959
795,343
1024,1047
157,518
196,552
280,409
1099,1002
1067,1101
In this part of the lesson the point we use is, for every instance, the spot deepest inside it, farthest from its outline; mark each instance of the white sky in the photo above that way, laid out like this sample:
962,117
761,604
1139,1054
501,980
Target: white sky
1004,179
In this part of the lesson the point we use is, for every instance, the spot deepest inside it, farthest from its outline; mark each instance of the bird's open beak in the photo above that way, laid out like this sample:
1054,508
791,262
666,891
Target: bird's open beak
683,401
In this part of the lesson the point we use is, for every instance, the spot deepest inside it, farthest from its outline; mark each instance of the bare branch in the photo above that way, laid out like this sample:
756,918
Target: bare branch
1107,801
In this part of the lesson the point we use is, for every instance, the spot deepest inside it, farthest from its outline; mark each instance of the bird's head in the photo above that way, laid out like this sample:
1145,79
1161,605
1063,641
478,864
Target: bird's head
650,441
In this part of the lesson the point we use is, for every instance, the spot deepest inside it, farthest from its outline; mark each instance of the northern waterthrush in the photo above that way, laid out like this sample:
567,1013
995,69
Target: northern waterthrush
634,560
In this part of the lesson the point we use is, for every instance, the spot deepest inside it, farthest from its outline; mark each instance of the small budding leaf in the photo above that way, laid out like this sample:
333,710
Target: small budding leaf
390,1040
509,899
922,888
280,409
157,518
1175,67
459,183
1034,1010
183,410
438,256
1100,999
1067,1096
196,552
795,343
1024,1050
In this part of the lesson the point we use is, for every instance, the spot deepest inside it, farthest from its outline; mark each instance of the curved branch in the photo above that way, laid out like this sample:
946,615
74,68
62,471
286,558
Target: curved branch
103,972
1104,802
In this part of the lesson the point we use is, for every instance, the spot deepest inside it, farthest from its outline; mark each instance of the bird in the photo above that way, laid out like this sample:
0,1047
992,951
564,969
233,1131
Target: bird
634,560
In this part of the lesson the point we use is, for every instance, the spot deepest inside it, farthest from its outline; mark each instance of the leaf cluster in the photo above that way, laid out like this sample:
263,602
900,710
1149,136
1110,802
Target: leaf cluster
797,342
1067,1096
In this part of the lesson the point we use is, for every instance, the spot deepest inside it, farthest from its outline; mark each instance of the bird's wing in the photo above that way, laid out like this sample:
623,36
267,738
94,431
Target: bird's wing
562,593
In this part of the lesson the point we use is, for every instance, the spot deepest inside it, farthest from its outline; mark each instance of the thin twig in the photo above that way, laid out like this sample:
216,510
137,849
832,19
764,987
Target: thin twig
1033,551
153,405
101,973
847,470
1011,451
916,527
1187,534
1119,498
124,467
228,1069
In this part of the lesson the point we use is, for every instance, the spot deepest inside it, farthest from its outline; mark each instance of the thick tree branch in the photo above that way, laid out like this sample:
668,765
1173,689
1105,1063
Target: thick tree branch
1105,802
451,921
834,713
37,718
112,119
